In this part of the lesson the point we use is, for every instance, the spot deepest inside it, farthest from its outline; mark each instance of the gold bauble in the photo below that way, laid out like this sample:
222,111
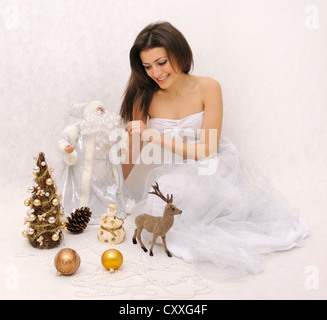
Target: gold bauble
112,259
55,202
37,202
52,220
27,202
55,237
36,170
67,261
49,182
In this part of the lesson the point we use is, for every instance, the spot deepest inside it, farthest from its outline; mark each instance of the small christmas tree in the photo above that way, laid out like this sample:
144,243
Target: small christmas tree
44,230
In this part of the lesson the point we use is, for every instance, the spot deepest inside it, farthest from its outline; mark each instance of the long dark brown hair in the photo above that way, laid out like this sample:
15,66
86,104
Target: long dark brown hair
141,87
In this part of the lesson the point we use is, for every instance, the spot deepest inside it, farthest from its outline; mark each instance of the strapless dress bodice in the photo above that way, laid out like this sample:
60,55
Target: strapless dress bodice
179,128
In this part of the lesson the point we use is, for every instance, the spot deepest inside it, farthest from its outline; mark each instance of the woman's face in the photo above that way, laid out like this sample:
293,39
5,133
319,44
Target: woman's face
158,67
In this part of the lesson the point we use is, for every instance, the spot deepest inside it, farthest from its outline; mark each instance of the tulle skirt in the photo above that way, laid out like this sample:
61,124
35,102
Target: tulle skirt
232,216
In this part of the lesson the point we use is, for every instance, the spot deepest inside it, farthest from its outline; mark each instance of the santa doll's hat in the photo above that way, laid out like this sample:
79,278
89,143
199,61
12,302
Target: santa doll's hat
79,110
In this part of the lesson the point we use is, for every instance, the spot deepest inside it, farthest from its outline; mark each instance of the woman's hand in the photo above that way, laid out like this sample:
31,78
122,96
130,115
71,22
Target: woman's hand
138,127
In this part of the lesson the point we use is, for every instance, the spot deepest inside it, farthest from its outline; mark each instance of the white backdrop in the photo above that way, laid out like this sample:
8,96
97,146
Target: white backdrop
269,57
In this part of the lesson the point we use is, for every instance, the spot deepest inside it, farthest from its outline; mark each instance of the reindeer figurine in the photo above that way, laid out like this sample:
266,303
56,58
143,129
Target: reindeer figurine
159,226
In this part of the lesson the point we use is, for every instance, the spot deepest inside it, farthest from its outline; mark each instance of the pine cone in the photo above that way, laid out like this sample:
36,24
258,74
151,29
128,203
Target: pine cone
79,220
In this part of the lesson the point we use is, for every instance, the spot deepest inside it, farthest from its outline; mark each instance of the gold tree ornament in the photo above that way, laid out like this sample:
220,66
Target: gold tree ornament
37,202
63,225
41,217
67,262
52,220
49,182
40,240
44,230
55,237
36,170
55,202
112,259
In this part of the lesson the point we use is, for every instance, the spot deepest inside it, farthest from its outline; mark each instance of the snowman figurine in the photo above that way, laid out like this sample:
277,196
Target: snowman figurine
111,228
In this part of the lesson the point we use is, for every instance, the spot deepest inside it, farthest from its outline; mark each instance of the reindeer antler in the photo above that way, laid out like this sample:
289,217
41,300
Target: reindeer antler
158,193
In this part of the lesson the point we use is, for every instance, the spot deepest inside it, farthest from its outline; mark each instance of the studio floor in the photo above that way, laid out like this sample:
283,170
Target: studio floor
28,273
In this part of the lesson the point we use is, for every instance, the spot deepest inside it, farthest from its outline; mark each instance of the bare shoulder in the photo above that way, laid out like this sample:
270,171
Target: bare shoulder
208,84
211,97
210,91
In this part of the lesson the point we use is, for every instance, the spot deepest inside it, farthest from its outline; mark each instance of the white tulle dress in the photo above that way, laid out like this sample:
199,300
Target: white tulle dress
231,217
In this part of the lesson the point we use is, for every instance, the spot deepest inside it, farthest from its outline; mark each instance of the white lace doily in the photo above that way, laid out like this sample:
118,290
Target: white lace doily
140,276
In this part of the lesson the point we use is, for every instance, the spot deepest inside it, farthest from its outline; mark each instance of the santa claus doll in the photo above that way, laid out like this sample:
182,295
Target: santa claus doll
92,175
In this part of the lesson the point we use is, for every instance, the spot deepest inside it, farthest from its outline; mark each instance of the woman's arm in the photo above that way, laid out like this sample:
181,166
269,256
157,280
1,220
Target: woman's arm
210,131
135,144
213,116
133,152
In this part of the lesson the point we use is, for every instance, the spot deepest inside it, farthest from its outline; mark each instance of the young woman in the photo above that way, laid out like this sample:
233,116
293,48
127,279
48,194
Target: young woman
231,216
